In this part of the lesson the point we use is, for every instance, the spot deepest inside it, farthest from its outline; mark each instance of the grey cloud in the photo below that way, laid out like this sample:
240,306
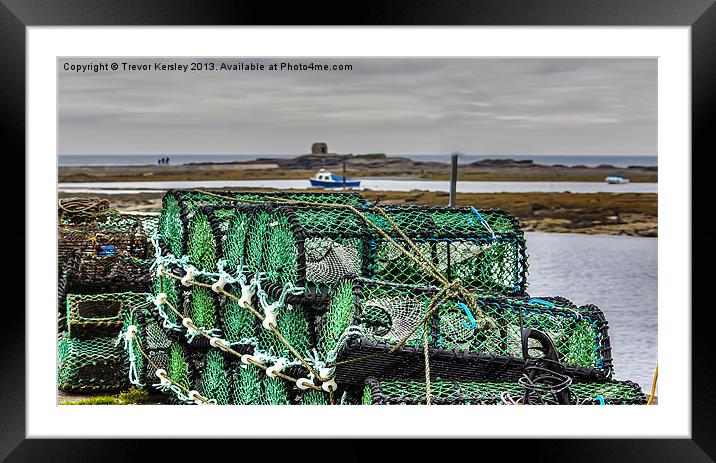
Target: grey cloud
394,105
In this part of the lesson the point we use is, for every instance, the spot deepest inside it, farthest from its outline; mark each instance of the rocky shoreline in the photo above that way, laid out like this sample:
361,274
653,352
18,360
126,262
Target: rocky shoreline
366,165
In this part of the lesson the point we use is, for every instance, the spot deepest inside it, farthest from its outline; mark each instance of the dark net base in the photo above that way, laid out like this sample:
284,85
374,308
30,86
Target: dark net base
381,392
360,358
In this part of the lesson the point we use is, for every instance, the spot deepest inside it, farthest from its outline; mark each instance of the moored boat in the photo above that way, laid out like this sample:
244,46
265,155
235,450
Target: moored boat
616,179
326,179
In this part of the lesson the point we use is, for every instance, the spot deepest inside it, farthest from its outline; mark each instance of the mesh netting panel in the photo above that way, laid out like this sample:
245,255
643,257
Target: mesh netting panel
365,319
255,241
89,274
273,391
580,338
178,366
152,340
485,249
280,253
85,365
171,228
313,397
90,315
215,378
238,323
247,388
202,247
293,324
104,236
203,307
488,393
172,288
234,245
179,206
384,312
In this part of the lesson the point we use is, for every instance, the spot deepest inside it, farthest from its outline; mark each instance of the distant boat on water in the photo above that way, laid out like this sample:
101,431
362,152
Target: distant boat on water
616,179
326,179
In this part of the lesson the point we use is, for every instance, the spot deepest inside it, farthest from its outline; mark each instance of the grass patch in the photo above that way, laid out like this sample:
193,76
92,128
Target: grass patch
129,397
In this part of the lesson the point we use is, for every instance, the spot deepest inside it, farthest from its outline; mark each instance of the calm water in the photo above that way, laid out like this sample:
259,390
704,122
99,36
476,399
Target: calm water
151,159
619,275
372,184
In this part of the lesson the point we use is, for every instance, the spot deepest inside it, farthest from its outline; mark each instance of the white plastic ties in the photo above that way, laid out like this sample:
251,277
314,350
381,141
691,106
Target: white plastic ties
269,317
304,383
186,279
273,369
160,299
329,386
247,292
219,285
219,343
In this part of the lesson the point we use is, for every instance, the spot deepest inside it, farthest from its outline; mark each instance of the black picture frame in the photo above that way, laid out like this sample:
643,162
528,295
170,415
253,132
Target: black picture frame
700,15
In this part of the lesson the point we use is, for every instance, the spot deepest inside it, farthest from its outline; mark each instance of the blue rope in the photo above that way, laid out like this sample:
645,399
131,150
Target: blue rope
482,219
473,323
600,399
541,302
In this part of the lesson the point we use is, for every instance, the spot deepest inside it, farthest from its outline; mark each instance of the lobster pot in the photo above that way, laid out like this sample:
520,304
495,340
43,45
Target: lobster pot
485,249
92,315
314,246
378,327
403,392
178,207
105,236
90,365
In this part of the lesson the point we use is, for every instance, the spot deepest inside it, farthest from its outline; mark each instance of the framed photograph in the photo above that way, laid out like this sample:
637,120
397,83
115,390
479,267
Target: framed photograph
458,208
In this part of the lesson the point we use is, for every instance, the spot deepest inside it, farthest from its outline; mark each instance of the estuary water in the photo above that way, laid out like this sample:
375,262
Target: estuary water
370,184
616,273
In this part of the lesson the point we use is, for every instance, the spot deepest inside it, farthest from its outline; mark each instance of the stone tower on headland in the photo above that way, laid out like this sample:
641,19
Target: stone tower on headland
319,148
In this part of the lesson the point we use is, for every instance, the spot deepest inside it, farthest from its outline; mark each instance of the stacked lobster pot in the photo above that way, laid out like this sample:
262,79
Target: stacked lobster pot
104,259
318,298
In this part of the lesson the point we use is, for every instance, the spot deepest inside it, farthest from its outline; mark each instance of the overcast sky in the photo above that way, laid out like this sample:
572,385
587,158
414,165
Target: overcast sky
390,105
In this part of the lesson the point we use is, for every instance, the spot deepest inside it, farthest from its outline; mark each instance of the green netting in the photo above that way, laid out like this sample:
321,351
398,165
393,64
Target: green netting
172,288
448,392
383,312
389,313
234,245
341,311
273,391
85,365
151,340
238,323
90,315
202,307
280,255
579,338
171,228
313,397
178,207
255,241
178,366
293,323
215,378
247,389
202,245
485,249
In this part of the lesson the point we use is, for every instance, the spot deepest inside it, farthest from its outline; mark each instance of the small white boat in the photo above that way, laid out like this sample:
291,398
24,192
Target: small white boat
326,179
616,179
